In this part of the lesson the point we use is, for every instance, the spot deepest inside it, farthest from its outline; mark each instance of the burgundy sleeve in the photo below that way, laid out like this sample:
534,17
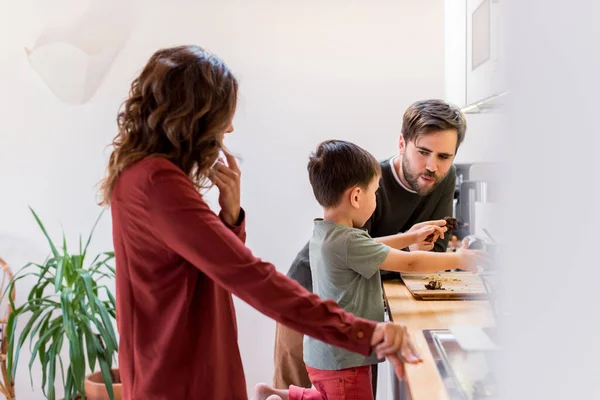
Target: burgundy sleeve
240,228
189,227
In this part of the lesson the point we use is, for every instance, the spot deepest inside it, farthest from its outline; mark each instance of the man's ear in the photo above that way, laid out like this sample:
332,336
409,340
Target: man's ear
401,144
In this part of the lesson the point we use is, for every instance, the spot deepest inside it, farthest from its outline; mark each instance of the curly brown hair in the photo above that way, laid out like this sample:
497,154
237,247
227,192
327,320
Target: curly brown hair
178,108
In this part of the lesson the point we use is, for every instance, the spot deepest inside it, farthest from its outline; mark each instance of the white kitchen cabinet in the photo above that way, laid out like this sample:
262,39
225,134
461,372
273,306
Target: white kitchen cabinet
474,50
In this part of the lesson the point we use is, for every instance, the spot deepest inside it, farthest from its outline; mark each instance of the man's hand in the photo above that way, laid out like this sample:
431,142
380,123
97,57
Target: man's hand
227,179
393,342
425,237
437,227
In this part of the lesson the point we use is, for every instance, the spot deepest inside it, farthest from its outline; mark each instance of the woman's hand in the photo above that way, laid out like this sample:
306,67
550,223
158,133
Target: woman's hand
393,342
227,179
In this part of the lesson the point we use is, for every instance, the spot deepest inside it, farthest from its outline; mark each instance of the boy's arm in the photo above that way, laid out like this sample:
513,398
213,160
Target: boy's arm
419,261
366,256
429,262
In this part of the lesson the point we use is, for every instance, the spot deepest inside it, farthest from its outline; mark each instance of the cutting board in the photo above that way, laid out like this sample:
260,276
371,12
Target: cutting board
455,286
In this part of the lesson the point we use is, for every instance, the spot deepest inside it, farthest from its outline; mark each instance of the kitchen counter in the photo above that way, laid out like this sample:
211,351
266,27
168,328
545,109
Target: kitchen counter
423,380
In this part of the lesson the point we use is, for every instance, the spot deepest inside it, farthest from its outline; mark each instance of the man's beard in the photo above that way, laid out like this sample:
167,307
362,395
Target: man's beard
413,179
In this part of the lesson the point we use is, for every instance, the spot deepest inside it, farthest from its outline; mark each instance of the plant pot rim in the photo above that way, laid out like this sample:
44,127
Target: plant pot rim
98,374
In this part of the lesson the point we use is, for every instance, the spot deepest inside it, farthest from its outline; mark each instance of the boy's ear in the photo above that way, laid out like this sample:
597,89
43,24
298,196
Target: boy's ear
355,194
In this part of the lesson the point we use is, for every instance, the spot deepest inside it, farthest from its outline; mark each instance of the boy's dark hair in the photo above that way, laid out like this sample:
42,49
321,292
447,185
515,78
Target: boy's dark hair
338,165
428,116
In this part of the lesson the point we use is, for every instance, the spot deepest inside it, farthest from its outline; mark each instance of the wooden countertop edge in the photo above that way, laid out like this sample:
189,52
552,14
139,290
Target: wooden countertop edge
423,380
414,372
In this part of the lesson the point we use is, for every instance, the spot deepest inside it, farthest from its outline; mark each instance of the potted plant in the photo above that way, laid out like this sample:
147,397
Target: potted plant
64,307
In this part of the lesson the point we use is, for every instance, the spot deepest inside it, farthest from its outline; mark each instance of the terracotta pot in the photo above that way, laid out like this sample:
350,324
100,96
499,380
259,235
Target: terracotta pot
95,389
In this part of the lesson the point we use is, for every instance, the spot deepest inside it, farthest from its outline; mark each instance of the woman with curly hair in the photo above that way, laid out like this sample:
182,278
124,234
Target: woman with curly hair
178,263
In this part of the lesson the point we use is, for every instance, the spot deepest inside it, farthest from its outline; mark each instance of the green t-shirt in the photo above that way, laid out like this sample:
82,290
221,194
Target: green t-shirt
344,263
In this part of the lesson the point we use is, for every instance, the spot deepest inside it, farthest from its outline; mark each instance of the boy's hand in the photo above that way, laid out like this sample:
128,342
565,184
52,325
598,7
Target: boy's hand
470,260
426,236
393,342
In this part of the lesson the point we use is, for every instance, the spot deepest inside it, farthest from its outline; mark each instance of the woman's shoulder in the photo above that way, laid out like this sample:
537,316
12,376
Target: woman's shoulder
149,168
142,175
152,164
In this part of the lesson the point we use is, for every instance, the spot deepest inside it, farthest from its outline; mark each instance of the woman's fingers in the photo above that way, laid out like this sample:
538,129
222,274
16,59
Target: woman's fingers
228,171
232,162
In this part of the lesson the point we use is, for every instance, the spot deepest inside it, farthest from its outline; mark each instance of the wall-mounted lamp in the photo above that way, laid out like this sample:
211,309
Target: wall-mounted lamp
72,60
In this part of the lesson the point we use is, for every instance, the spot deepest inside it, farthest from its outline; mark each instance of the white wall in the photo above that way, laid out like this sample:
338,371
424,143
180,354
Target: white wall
308,71
551,340
455,46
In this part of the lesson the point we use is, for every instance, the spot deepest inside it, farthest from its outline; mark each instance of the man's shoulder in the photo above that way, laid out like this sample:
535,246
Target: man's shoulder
388,180
385,161
300,268
452,172
385,164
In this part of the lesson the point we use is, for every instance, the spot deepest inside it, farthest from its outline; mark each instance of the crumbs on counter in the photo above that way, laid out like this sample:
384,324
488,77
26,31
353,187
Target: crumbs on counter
434,285
440,278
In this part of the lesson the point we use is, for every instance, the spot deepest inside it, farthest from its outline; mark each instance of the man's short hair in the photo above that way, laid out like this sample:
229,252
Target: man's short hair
430,116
